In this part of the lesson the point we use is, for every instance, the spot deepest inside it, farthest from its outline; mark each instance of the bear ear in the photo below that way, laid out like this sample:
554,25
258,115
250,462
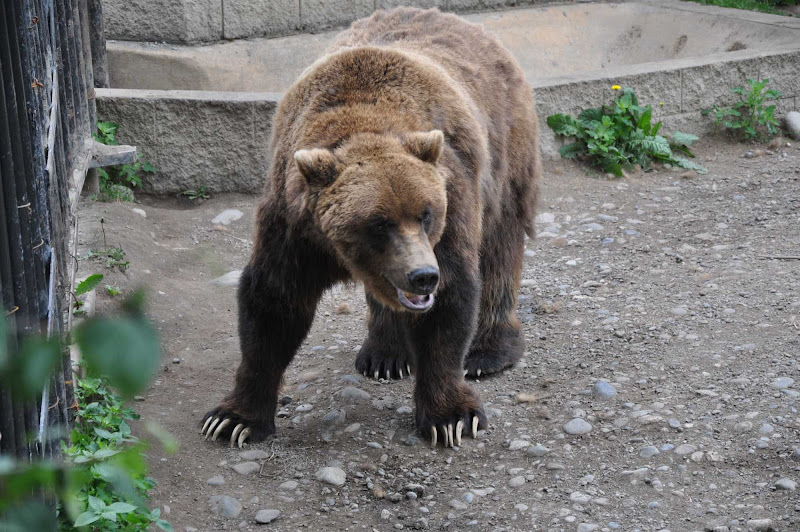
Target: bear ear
318,166
425,146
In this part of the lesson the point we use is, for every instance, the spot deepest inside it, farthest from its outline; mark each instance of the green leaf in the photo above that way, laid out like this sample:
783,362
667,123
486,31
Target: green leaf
28,372
96,504
166,439
125,350
111,516
689,165
683,139
86,518
594,114
563,125
164,525
121,508
88,284
106,435
644,120
147,167
105,453
571,151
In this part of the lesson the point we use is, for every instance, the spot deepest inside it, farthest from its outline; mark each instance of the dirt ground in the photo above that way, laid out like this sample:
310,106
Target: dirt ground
658,287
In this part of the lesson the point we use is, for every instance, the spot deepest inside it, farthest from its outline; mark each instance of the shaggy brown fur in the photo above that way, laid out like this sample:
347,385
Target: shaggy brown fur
412,146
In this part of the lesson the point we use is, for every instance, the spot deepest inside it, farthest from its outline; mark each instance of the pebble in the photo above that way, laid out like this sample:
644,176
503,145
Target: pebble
356,395
577,426
516,482
246,468
227,216
537,450
685,449
674,423
289,485
229,279
225,506
679,311
760,524
140,212
782,382
519,444
216,480
331,475
604,390
649,452
457,505
334,417
254,454
796,454
786,484
404,410
264,517
793,124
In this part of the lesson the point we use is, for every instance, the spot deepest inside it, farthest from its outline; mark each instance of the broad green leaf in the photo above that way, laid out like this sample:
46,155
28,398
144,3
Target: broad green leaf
147,167
96,504
689,165
121,508
125,350
644,120
105,453
571,151
563,125
88,284
28,371
594,114
164,525
683,139
166,439
111,516
103,433
86,518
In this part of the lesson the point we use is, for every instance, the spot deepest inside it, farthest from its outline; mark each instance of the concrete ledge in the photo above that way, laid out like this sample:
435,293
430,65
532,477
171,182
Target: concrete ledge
196,21
214,139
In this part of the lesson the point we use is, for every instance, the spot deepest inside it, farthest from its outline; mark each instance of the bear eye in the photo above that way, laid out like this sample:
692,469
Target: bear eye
426,218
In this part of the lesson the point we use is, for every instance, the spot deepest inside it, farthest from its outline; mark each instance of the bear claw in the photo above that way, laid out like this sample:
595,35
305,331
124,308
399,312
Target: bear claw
213,427
452,437
225,423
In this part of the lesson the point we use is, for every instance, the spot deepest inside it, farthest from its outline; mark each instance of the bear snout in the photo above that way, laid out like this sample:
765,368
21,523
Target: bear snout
423,280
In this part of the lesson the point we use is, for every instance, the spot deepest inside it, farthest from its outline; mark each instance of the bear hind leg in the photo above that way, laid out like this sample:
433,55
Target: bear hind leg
385,353
499,343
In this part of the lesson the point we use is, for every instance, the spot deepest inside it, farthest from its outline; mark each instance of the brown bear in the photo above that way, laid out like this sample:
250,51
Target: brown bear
406,158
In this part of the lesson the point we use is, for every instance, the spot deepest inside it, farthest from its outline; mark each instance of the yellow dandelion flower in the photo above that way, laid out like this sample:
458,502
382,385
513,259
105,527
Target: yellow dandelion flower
661,104
615,87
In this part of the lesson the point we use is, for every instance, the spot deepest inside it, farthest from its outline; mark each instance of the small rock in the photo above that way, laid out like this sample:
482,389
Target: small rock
332,475
227,216
344,308
516,482
458,505
782,382
176,360
538,450
603,390
649,452
685,449
225,506
289,485
386,514
334,416
247,468
793,124
264,517
216,480
229,279
577,426
673,423
356,395
404,410
519,444
254,454
760,525
679,311
140,212
786,484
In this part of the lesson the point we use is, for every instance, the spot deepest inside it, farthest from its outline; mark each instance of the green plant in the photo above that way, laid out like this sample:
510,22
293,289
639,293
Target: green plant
103,480
111,257
198,193
765,6
112,290
751,115
620,135
116,182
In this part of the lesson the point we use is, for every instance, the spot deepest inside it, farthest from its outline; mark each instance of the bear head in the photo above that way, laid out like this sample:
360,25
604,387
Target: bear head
380,201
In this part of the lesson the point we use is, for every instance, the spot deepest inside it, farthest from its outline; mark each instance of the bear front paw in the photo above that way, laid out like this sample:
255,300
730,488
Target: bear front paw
224,422
444,417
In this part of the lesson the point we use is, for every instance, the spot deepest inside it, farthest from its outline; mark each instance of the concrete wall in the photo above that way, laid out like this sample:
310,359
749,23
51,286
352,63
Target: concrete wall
219,139
193,21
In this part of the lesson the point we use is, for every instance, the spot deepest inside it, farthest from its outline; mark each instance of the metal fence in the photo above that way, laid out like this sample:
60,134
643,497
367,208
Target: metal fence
46,144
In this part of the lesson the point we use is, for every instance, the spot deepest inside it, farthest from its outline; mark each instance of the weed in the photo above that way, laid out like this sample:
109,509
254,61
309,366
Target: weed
621,135
111,257
765,6
198,193
117,182
112,290
751,115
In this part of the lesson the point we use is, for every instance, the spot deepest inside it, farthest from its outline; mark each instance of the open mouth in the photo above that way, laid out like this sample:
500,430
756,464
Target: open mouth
415,302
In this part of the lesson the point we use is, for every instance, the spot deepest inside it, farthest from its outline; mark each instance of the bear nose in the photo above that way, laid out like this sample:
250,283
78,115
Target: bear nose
424,279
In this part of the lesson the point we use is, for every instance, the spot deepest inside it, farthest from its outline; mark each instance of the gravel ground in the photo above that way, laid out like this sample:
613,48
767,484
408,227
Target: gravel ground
659,391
